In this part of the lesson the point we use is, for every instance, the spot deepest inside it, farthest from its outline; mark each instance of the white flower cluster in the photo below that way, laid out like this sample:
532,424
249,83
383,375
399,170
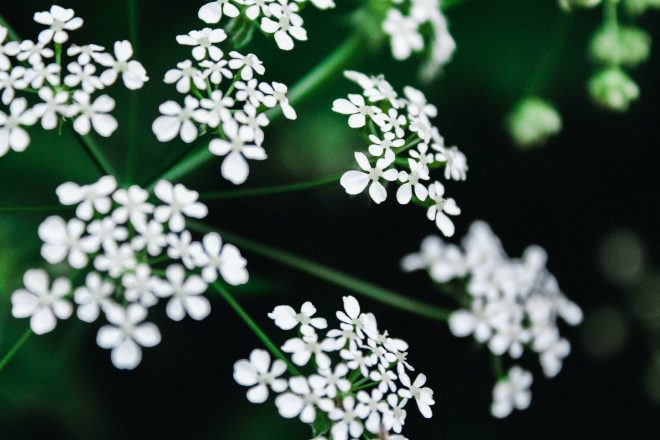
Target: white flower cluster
511,303
64,90
364,390
405,28
118,241
394,125
236,115
279,18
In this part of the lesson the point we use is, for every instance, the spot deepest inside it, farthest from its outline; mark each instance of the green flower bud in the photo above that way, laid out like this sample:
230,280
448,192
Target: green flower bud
613,89
568,5
628,46
532,122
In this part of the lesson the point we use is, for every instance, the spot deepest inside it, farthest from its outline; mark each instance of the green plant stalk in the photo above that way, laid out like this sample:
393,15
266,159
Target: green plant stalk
303,88
270,190
496,366
133,100
224,293
15,348
331,275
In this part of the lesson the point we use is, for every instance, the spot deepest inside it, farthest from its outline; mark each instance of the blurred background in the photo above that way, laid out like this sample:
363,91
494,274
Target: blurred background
589,196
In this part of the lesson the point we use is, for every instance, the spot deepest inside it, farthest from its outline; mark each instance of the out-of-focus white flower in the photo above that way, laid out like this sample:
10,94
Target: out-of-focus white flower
93,297
259,374
203,42
89,198
95,114
12,135
286,26
212,12
215,257
177,120
132,72
179,201
65,239
512,393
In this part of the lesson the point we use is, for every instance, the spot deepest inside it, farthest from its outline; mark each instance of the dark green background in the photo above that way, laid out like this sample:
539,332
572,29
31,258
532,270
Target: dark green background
599,174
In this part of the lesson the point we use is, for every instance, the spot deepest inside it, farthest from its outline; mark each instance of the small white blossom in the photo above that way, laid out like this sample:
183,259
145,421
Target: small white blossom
203,42
93,114
276,94
440,208
53,105
185,76
84,77
215,257
236,149
139,285
247,65
12,135
212,12
259,374
287,24
177,120
179,201
185,294
404,34
65,240
132,72
89,198
355,182
422,395
133,205
92,297
512,393
287,318
60,20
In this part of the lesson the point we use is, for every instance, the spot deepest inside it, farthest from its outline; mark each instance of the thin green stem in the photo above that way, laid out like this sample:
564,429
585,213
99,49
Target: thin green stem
551,56
364,387
302,89
14,349
133,100
33,209
224,293
271,190
97,156
10,32
333,276
496,366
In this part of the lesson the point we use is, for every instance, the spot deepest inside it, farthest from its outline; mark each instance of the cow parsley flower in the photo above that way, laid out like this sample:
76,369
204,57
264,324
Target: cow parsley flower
93,114
177,120
212,12
285,25
203,42
40,301
132,72
60,20
237,148
354,182
509,305
357,374
12,134
134,250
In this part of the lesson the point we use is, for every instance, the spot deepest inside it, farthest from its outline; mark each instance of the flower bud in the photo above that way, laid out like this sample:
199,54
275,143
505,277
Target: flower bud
613,89
628,46
532,122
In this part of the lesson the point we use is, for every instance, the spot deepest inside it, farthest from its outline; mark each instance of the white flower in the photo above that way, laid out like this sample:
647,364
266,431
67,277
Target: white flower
89,198
357,109
5,64
218,108
552,356
62,239
215,69
43,73
92,297
85,53
249,118
83,76
323,4
60,20
455,163
139,285
127,334
512,393
12,81
212,12
404,34
246,64
53,105
107,231
441,206
214,257
180,247
417,104
393,121
385,379
347,419
150,236
412,181
93,114
464,322
379,146
286,318
41,302
509,337
185,75
354,182
301,401
179,120
179,201
259,374
27,50
115,259
234,167
185,294
331,381
423,395
133,205
395,416
358,360
302,349
12,135
132,72
203,42
276,94
254,7
249,92
288,24
372,404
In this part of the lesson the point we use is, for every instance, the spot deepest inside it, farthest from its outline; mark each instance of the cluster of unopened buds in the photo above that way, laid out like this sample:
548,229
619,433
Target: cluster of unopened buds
395,125
61,90
222,97
508,304
131,253
359,382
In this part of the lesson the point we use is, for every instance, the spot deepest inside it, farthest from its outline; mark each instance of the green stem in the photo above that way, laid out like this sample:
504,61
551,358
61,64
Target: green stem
496,366
10,32
133,100
364,387
97,156
331,275
224,293
334,61
551,56
32,209
270,190
14,349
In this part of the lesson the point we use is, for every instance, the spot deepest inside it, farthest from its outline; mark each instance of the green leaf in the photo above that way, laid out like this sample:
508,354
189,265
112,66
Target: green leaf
321,425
